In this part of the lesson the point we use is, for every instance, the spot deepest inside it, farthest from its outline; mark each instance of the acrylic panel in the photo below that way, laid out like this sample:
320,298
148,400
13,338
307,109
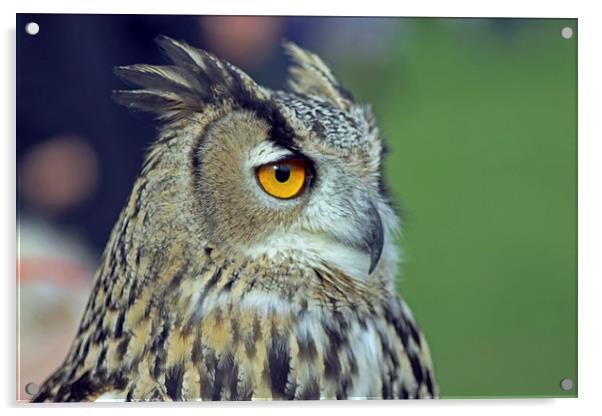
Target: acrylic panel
271,207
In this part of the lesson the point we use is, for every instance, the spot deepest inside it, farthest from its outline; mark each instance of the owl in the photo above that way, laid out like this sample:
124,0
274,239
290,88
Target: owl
254,258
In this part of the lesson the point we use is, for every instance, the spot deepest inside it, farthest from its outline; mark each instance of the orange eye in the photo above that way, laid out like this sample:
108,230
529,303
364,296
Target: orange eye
283,180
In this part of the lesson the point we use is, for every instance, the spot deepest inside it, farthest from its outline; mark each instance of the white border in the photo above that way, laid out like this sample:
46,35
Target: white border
590,206
552,8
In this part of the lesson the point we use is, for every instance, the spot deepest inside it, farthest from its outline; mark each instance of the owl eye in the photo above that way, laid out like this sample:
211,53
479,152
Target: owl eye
284,179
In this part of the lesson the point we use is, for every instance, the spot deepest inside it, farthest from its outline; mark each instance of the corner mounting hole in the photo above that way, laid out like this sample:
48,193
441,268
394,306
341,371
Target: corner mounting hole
31,389
32,28
566,384
566,32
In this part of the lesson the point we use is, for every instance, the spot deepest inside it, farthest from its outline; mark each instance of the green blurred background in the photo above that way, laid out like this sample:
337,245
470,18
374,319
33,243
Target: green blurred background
479,114
483,136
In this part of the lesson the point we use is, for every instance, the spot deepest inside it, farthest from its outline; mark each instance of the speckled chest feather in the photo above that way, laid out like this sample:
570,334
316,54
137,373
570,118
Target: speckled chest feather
223,333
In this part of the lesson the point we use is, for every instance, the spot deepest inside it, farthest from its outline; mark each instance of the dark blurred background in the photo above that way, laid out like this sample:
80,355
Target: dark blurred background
480,116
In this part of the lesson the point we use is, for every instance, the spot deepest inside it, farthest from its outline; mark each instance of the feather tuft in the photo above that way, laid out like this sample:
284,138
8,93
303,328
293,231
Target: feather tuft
309,75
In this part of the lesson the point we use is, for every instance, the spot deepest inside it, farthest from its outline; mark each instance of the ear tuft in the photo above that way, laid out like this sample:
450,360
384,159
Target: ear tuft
195,79
309,75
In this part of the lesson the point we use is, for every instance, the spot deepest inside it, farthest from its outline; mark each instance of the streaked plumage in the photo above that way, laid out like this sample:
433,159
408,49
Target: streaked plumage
212,289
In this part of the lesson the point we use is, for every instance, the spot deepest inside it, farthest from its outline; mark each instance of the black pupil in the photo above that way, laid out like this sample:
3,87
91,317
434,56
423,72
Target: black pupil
282,172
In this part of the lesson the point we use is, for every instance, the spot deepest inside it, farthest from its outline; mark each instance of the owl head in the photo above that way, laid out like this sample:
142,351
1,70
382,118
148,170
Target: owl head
290,175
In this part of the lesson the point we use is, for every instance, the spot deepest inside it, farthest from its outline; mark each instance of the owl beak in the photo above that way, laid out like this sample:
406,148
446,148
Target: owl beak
374,237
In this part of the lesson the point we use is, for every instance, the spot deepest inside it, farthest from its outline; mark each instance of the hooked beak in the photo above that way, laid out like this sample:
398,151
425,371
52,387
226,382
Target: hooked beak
374,239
